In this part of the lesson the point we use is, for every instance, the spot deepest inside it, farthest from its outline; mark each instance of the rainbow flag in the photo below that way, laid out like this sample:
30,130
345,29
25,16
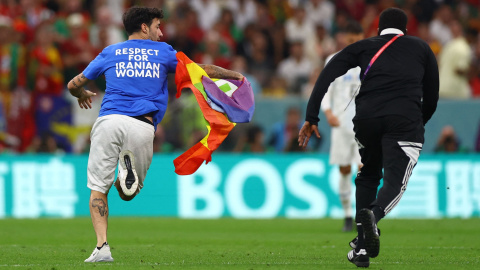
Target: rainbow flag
190,75
239,104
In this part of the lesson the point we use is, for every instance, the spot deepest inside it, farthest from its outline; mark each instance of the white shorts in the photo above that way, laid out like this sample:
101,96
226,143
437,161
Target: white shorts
344,148
110,135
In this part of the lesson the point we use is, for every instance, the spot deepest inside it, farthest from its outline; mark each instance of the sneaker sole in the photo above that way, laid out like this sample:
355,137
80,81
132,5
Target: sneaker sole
129,170
353,243
361,264
372,241
104,260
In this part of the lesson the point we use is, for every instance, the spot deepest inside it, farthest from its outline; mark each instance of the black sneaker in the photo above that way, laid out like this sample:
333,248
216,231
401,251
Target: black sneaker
360,258
354,242
370,231
348,226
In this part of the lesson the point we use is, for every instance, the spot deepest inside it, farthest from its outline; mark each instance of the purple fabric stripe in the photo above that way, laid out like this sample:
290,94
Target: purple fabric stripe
240,107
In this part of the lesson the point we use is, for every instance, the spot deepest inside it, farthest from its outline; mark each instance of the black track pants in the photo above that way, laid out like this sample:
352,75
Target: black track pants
392,143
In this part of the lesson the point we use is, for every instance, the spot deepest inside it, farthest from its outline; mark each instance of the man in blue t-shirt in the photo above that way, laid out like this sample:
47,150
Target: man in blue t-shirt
135,102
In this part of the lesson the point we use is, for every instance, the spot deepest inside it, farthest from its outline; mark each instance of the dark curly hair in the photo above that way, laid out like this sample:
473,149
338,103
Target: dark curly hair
135,16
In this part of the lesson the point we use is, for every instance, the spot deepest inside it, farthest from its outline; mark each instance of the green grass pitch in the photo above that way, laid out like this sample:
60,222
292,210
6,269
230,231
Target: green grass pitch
168,243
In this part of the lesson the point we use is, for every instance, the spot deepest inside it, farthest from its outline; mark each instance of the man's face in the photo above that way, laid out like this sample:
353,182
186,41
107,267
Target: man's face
351,38
154,32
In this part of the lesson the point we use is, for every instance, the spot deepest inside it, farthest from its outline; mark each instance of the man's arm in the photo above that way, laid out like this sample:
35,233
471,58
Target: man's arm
221,73
76,88
430,87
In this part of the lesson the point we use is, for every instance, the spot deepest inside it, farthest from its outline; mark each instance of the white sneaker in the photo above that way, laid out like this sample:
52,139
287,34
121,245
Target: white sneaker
101,255
126,174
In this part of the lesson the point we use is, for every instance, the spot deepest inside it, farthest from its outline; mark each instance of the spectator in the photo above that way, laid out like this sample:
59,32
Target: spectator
299,27
20,118
424,34
251,141
227,29
11,9
12,56
279,43
448,142
194,32
77,50
354,8
245,46
280,10
215,51
67,8
104,32
369,21
454,64
245,11
319,46
181,40
45,68
208,12
321,12
116,7
34,14
265,18
295,69
48,144
259,60
440,25
340,22
284,132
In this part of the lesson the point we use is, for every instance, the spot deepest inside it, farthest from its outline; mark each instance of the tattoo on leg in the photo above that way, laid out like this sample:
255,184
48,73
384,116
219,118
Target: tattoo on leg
101,205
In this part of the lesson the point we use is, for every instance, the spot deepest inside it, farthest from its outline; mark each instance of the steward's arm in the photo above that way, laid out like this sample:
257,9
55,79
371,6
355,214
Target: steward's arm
339,65
430,86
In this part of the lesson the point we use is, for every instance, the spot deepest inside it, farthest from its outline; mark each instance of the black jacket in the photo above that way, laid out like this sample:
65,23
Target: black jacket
402,81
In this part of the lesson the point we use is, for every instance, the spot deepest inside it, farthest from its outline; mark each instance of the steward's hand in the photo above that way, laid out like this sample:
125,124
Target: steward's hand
306,132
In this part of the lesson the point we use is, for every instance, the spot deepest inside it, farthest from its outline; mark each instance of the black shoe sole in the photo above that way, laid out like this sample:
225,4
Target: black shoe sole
372,240
361,264
130,179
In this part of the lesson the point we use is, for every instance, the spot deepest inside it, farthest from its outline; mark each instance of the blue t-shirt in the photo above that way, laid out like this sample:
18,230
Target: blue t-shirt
136,74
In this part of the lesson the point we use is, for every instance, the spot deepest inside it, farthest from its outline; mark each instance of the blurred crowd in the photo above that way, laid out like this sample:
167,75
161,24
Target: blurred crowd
279,45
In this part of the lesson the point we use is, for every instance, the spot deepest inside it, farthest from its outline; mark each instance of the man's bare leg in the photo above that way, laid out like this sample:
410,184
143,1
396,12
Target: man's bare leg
99,214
